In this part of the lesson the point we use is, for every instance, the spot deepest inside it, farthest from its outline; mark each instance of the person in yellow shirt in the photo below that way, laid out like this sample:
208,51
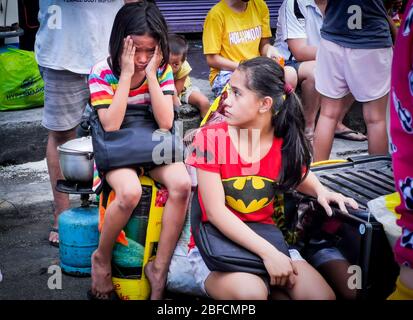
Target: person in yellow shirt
185,91
235,30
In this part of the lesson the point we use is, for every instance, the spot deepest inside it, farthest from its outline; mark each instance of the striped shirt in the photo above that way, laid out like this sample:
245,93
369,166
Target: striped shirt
103,85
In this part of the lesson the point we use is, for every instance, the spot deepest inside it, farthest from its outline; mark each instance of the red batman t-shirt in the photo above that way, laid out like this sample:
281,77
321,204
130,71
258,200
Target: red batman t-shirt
249,187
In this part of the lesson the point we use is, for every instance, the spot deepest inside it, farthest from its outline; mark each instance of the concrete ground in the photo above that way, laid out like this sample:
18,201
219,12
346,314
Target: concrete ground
26,202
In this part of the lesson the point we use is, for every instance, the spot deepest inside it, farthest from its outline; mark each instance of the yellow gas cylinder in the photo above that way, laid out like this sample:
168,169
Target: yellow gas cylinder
138,242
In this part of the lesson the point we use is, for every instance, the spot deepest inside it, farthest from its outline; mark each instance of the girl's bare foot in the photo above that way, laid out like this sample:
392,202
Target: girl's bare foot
101,277
157,280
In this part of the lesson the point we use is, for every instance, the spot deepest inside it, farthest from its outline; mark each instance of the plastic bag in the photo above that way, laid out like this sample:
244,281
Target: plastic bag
181,274
21,86
383,209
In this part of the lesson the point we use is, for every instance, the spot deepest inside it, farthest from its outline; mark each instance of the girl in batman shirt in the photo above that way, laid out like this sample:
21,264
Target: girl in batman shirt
261,144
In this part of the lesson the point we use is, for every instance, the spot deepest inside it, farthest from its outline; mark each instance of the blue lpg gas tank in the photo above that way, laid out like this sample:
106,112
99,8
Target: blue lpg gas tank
78,238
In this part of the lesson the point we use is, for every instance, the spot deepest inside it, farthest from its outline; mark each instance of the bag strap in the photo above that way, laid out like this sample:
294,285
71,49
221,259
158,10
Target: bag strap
299,15
196,214
297,11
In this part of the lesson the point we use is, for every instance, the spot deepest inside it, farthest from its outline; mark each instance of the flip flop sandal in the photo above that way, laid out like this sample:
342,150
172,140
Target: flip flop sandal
347,135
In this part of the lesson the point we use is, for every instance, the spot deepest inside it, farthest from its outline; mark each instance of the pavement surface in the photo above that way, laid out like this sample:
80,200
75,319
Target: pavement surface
26,258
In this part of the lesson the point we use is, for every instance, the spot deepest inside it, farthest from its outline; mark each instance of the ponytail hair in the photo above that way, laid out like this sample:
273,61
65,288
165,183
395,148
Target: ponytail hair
137,18
266,78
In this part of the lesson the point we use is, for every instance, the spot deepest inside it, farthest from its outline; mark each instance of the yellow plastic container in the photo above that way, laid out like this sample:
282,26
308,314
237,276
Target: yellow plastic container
138,288
327,162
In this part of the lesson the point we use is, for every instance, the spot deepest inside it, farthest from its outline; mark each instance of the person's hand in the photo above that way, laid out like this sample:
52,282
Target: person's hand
176,100
154,63
280,268
326,197
127,63
273,53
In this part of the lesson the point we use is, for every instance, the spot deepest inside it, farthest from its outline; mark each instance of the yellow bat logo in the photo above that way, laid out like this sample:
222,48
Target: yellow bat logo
248,194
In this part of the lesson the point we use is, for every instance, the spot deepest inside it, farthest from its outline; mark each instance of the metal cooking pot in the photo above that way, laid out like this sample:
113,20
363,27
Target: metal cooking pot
76,159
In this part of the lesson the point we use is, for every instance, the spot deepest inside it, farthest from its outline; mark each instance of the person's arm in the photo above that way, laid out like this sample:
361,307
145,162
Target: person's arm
267,50
313,187
219,62
111,118
393,28
278,265
162,105
175,100
300,50
292,31
179,84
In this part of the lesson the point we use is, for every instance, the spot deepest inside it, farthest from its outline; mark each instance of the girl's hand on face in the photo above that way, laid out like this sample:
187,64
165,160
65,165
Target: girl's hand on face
127,63
154,63
325,197
281,269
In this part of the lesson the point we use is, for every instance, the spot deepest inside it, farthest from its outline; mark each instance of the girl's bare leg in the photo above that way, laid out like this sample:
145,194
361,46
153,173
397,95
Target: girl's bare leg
176,179
128,191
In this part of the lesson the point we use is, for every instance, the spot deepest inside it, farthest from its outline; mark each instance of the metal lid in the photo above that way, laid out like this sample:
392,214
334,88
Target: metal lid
79,145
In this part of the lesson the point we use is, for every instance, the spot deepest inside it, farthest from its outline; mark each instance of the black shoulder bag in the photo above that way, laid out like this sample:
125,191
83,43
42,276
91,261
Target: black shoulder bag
138,142
221,254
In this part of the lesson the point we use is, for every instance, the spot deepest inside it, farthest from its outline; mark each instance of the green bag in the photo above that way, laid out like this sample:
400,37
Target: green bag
21,86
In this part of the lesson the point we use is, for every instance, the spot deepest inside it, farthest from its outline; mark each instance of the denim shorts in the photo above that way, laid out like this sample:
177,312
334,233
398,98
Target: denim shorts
322,251
201,271
220,81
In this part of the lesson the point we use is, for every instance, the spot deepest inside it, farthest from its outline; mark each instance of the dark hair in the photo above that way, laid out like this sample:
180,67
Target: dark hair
137,18
266,78
178,45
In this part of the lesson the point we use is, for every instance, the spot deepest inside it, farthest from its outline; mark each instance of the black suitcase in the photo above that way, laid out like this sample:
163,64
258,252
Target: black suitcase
359,236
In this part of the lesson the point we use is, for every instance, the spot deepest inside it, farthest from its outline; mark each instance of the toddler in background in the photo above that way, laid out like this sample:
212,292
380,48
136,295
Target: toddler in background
185,91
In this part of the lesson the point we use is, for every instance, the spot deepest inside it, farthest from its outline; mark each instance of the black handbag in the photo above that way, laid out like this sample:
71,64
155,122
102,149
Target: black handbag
222,254
138,142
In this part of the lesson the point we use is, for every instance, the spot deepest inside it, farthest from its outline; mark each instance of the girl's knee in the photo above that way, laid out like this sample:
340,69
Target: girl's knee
306,72
180,189
308,79
373,120
129,198
204,101
328,113
205,105
291,76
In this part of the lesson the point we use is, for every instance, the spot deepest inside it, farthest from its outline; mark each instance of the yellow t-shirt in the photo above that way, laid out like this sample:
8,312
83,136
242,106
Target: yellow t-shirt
235,36
183,71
